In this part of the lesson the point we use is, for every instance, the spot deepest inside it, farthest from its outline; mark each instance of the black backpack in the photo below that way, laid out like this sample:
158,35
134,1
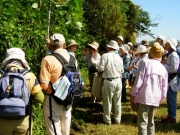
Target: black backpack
71,72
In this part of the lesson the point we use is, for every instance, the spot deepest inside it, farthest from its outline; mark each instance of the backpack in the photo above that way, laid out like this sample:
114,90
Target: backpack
71,72
14,94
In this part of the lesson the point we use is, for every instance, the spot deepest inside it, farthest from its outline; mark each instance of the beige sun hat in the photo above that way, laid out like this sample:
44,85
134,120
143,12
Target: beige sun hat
113,44
145,42
94,45
141,49
71,42
156,51
125,48
173,43
15,53
57,39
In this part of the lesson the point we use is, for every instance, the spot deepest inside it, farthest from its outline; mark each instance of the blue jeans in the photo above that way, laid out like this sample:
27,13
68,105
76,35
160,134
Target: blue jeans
171,102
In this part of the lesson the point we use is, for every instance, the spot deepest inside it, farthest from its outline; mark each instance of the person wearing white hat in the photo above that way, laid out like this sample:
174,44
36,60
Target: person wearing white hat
51,70
92,58
171,64
161,40
15,59
130,44
142,55
149,89
120,40
131,51
112,67
124,52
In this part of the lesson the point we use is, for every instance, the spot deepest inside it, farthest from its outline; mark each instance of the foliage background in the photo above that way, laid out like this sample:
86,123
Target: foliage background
24,24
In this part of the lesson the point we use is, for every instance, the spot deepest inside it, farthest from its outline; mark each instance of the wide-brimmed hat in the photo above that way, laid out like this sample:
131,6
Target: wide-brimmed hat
121,38
15,53
173,43
57,39
71,42
141,49
145,42
113,44
94,45
162,38
156,51
125,48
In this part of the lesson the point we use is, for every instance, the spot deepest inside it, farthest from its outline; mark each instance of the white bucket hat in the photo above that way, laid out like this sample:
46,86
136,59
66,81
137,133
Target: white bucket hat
71,42
113,44
57,39
173,43
141,49
94,45
15,53
121,38
162,38
129,43
125,48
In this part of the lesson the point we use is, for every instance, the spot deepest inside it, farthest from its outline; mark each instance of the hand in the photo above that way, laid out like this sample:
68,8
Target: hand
92,53
134,65
132,99
48,42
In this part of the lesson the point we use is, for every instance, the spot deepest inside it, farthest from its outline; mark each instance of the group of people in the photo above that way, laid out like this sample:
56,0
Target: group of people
153,78
57,120
151,70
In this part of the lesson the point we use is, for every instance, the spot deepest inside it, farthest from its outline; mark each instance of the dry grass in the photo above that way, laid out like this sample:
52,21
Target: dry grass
87,120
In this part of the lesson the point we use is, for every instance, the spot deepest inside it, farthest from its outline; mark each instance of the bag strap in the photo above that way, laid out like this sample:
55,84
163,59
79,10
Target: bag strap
63,61
50,112
23,72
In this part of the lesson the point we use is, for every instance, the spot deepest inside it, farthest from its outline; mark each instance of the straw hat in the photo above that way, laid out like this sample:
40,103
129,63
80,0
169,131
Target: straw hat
156,51
145,42
15,53
94,45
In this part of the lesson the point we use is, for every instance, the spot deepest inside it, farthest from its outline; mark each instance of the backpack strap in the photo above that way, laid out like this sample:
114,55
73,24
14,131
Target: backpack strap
62,60
24,71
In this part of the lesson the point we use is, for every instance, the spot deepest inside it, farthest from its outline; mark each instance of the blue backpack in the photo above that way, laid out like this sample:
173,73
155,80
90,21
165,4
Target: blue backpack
71,72
14,94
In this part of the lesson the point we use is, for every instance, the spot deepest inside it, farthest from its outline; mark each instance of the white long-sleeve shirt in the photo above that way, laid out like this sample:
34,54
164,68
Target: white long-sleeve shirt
111,64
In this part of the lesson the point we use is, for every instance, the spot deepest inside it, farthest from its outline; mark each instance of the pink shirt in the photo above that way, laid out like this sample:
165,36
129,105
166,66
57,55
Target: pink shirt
151,84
